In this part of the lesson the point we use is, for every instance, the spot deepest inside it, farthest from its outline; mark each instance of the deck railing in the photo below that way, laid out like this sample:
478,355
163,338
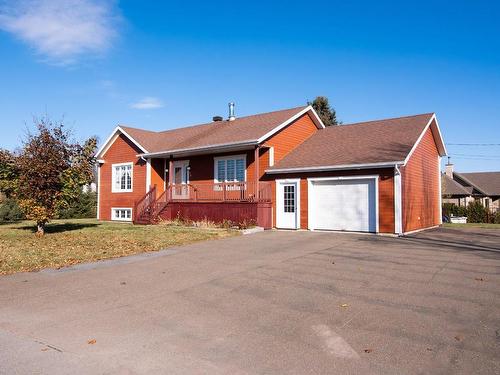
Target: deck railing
219,192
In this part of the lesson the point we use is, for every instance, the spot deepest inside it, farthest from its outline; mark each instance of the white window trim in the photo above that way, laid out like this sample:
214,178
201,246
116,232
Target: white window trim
113,179
279,202
230,157
113,209
310,195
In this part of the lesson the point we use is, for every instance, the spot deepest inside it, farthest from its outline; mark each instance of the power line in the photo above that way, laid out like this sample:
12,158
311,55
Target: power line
478,155
473,144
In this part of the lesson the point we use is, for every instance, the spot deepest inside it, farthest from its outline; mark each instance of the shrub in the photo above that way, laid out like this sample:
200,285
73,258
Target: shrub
10,211
451,209
496,217
84,206
476,213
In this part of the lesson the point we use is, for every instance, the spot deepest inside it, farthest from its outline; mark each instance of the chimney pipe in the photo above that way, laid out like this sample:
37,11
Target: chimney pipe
449,168
232,117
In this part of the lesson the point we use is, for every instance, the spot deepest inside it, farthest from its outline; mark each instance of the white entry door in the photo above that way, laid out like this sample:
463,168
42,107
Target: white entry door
181,180
287,204
343,204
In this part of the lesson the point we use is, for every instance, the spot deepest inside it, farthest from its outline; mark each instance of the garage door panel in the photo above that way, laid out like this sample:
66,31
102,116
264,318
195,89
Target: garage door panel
344,205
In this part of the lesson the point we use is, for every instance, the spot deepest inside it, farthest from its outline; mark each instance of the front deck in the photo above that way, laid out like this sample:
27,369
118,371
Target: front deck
241,203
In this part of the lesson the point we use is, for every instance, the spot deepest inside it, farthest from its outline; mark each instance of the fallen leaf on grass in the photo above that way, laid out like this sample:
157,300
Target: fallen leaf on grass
333,262
368,350
44,349
91,342
344,305
429,349
479,279
458,337
123,283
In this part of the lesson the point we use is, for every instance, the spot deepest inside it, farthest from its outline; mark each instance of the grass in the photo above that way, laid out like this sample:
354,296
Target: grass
69,242
473,225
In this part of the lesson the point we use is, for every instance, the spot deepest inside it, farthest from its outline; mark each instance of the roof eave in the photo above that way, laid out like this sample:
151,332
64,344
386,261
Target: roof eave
334,167
224,147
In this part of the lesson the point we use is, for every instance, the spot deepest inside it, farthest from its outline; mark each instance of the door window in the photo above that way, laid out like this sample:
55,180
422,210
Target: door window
289,198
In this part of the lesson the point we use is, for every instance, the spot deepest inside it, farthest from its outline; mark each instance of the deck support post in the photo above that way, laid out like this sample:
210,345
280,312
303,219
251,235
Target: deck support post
257,171
170,177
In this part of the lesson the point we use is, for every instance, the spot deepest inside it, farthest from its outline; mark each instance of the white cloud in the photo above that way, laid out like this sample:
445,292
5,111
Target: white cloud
148,102
62,30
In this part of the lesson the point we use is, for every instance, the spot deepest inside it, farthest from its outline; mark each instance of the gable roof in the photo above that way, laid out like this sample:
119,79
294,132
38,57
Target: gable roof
247,130
451,187
361,145
487,183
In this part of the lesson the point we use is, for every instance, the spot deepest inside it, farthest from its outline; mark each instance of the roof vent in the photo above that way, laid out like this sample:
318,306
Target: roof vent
232,117
217,118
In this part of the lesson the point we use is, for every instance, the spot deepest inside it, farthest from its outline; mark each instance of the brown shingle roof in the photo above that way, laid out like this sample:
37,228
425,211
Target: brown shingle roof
370,142
243,129
451,187
487,182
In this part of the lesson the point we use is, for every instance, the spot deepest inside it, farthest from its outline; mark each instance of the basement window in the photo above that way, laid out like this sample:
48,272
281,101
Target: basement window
121,214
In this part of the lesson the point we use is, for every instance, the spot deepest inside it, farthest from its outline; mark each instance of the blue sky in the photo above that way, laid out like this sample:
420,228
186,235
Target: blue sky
157,66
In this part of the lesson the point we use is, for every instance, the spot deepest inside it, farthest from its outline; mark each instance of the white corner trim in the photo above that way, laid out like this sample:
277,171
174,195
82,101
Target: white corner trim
398,202
113,189
440,191
295,181
98,191
271,156
310,195
111,139
148,174
289,121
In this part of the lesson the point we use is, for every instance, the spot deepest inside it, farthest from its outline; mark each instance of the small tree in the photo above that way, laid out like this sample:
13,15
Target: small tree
9,174
52,170
325,112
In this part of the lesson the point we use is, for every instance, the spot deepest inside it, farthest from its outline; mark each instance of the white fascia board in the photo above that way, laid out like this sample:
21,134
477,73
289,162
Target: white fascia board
218,147
334,167
117,130
290,120
439,140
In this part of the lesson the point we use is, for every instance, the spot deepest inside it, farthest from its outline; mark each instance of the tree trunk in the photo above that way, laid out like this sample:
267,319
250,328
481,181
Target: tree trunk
40,229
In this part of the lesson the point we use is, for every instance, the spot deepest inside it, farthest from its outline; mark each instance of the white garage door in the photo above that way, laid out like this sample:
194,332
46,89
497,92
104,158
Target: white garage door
348,205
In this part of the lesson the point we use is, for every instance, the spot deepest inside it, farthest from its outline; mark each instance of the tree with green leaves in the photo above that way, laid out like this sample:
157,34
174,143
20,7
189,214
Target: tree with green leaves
51,171
9,173
325,112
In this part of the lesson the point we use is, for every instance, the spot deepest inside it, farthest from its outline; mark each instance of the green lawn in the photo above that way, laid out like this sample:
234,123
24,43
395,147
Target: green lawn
473,225
68,242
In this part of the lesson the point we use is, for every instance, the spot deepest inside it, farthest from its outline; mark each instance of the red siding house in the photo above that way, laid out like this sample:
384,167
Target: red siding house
280,169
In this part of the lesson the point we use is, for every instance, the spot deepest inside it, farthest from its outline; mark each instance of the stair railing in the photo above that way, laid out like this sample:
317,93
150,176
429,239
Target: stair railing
145,204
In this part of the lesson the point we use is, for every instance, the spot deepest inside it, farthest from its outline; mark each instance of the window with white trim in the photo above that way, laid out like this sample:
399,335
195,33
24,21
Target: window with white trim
122,177
121,214
230,169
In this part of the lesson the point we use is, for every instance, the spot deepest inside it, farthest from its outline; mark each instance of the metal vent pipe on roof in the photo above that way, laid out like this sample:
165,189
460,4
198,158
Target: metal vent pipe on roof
232,117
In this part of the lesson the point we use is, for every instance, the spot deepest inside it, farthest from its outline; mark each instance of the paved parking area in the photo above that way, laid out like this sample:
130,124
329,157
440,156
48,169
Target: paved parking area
273,302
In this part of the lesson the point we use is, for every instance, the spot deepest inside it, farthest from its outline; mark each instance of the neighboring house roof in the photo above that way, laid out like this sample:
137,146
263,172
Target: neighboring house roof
242,131
487,183
451,187
365,144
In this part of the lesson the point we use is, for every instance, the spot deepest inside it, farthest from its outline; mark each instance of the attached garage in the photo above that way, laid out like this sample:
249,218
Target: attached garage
376,177
345,204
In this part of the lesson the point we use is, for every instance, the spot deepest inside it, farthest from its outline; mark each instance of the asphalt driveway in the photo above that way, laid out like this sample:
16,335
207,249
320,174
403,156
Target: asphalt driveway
273,302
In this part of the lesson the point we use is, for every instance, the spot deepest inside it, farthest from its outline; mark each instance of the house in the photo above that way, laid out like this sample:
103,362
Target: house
280,169
462,188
